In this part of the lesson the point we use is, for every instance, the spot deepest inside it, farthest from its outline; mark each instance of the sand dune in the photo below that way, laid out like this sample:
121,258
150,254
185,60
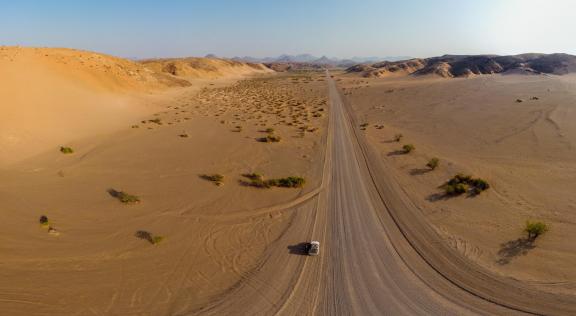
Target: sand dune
195,68
53,96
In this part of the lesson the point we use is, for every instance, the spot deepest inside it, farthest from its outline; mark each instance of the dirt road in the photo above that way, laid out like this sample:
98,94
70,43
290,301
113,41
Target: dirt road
378,256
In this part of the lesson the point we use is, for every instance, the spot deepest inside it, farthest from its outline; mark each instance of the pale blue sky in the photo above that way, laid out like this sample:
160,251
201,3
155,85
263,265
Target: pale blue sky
268,28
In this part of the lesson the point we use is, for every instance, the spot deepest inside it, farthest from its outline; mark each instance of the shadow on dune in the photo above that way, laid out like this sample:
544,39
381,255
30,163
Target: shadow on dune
434,197
514,248
419,171
396,153
298,249
142,234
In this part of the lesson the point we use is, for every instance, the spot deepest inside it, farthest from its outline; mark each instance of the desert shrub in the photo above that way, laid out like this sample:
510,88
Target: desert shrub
460,178
44,220
153,239
184,135
461,181
269,130
258,181
408,148
291,182
519,100
156,121
398,137
479,185
455,189
218,179
124,197
142,234
157,239
270,139
364,125
433,163
66,150
264,184
535,229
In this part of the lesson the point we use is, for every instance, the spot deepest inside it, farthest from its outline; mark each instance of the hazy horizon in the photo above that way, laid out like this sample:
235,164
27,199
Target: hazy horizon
323,28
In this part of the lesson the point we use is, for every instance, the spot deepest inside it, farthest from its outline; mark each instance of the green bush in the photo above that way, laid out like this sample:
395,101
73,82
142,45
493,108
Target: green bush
535,229
291,182
258,181
44,220
460,178
157,239
433,163
461,181
124,197
270,139
479,185
66,150
153,239
455,189
408,148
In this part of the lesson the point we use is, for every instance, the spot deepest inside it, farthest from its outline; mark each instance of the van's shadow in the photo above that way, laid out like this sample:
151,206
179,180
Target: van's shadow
298,249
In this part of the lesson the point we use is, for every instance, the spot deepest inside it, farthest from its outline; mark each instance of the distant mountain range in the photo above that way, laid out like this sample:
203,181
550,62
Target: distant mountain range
469,65
315,60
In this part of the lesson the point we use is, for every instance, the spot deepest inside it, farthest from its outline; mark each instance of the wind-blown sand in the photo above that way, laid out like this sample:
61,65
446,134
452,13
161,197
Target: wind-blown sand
130,136
525,150
51,97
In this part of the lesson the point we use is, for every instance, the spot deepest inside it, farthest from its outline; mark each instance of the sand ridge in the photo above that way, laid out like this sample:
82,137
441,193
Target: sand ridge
196,67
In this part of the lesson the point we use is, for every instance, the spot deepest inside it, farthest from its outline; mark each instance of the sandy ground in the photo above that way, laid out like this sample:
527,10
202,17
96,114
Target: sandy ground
94,263
525,150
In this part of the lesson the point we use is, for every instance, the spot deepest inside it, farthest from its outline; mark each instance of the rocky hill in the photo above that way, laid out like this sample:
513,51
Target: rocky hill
451,66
